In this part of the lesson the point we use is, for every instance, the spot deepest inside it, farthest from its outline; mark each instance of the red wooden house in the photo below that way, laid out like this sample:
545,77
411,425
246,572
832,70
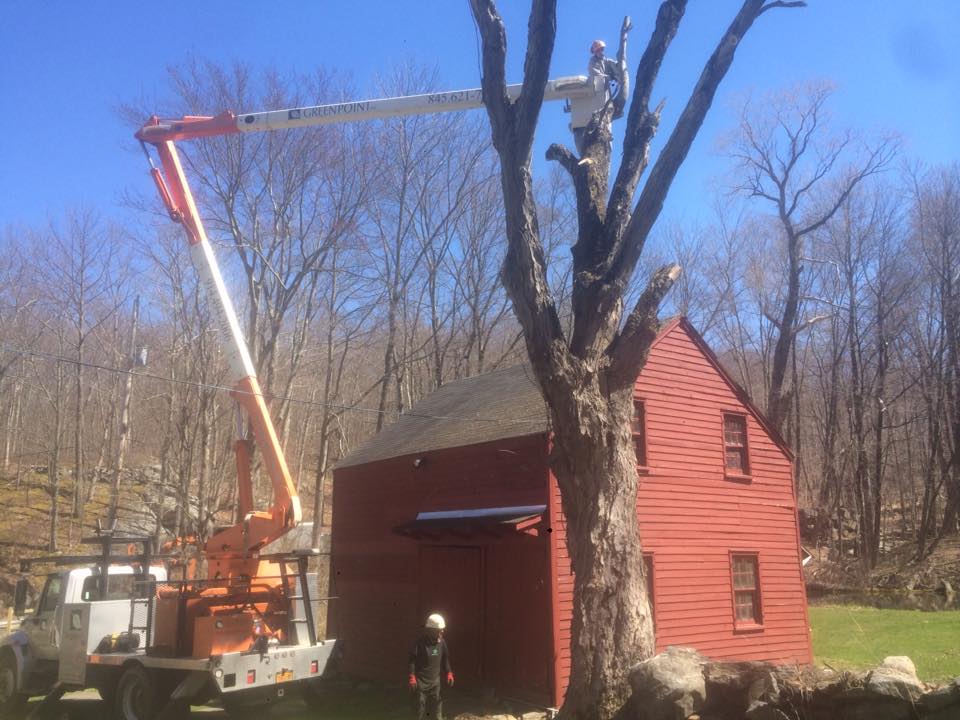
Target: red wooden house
454,509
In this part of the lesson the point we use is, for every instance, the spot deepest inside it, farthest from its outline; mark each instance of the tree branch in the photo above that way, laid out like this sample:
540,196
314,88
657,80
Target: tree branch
641,123
678,145
563,155
597,244
782,4
541,32
878,160
494,82
808,323
524,265
629,349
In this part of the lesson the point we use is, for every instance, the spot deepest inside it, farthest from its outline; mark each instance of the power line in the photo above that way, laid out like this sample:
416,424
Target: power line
224,388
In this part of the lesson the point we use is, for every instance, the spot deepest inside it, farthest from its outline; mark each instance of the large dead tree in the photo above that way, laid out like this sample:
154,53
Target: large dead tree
587,375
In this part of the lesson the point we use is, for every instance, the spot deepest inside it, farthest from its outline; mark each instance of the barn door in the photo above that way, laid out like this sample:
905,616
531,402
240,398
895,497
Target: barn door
450,584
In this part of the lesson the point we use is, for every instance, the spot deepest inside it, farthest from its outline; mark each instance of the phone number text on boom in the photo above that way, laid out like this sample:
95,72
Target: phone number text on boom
459,96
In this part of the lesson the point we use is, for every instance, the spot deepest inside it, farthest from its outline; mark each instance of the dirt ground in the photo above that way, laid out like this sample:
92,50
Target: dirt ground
344,701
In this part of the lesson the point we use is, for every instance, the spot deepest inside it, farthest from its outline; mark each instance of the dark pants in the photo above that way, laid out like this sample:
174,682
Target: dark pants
431,706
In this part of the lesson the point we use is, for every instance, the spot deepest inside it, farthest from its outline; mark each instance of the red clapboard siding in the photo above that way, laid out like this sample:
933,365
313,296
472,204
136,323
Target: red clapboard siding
692,517
378,580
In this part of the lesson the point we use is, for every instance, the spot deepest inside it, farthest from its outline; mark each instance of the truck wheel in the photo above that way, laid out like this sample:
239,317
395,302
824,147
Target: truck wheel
136,695
11,701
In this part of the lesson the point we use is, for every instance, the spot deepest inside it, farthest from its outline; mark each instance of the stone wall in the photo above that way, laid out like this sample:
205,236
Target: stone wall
681,684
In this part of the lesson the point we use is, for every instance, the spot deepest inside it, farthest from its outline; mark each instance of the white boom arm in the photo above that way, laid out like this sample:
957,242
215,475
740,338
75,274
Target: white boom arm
586,95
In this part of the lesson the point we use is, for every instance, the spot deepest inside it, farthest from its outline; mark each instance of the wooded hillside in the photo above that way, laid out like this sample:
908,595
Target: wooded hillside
363,260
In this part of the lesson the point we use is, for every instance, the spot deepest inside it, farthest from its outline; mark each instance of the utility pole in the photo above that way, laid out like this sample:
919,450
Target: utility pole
123,437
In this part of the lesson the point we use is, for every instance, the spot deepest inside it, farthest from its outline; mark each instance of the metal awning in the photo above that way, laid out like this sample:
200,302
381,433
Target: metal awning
465,524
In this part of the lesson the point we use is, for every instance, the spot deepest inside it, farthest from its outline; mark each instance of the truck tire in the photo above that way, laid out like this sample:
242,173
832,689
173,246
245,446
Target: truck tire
11,701
136,696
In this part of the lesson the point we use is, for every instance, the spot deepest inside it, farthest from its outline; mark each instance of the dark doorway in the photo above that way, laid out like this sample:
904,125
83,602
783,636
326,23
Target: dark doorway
518,620
451,584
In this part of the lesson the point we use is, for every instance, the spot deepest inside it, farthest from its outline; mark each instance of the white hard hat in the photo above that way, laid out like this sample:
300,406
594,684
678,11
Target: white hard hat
436,622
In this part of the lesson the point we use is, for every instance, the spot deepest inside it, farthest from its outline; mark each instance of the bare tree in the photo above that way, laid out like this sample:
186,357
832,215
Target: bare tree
788,160
19,331
858,244
587,376
430,170
936,226
79,264
472,267
123,432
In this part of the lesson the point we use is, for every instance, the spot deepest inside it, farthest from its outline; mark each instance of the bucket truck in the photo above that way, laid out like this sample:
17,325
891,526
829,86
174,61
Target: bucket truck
244,634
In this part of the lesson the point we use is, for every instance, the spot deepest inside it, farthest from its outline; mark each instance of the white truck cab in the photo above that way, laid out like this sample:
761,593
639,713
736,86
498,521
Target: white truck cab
32,658
81,585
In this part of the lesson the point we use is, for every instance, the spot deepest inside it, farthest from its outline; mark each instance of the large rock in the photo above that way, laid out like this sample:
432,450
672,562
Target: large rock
736,688
896,677
679,683
669,686
943,702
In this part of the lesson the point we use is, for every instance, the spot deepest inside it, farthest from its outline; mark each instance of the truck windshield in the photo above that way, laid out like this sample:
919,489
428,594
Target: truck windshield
51,594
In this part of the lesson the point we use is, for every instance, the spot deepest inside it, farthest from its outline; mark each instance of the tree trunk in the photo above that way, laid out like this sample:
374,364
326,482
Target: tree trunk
389,362
12,433
53,468
123,433
79,494
597,472
778,399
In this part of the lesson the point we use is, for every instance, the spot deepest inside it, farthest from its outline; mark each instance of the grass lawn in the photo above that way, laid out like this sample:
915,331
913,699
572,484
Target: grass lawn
849,636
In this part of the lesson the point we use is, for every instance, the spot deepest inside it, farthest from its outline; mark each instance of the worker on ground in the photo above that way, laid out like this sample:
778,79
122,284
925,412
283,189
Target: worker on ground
429,661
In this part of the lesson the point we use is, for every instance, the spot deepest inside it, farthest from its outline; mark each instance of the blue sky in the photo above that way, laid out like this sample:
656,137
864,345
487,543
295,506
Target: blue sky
66,66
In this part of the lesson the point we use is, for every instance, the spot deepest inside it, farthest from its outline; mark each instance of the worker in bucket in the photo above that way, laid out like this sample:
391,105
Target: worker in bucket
614,82
612,73
429,662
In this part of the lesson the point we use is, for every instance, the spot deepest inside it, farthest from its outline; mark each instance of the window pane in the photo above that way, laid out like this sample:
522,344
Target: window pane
746,588
734,429
735,443
51,596
746,608
648,572
734,460
639,436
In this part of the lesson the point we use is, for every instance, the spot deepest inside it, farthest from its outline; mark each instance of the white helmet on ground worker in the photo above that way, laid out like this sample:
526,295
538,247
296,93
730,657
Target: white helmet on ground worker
436,622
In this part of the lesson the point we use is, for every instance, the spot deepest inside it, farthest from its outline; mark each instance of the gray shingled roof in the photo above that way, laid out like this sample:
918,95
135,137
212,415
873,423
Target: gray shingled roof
501,404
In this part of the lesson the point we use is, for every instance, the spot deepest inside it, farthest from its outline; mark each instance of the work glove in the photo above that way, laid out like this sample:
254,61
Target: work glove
412,682
450,679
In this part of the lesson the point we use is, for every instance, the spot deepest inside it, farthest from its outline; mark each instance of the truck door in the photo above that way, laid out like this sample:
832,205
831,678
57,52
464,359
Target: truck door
44,627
